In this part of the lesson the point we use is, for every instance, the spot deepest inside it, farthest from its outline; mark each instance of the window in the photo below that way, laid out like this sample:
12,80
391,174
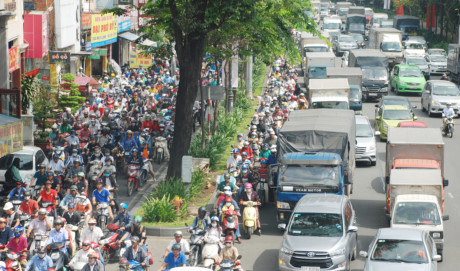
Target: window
39,158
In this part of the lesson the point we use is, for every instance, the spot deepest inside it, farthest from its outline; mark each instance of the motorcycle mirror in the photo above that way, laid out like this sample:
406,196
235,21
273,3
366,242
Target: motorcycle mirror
239,257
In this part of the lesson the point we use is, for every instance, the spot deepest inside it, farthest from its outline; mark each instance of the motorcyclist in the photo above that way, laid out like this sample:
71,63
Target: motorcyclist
93,263
58,234
227,193
82,255
447,112
84,206
240,141
129,142
40,261
214,229
82,183
265,152
229,252
18,244
175,258
125,220
251,195
73,139
40,225
244,177
136,253
161,142
179,240
138,230
74,157
201,221
272,139
18,191
12,217
247,149
73,218
225,183
92,232
147,155
39,177
29,206
273,155
232,161
97,154
147,123
56,164
91,146
75,169
102,195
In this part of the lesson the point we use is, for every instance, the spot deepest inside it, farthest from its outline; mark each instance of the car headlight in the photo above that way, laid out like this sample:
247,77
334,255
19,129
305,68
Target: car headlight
282,205
435,103
387,82
384,89
286,251
338,252
436,235
371,148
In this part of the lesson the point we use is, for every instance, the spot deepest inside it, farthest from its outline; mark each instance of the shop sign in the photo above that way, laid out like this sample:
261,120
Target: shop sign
136,59
104,29
13,58
86,21
124,23
98,53
11,136
88,46
56,57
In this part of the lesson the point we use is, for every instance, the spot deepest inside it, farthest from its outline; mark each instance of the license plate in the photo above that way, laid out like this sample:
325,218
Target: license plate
372,94
309,268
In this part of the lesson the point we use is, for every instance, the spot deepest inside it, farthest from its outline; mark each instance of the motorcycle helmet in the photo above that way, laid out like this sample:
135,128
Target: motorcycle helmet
244,153
138,220
245,166
86,242
18,231
135,239
93,254
246,143
248,186
226,176
42,211
56,156
227,188
81,174
227,199
41,166
229,239
92,221
134,150
228,193
99,181
214,218
177,233
58,221
72,205
176,248
202,212
124,206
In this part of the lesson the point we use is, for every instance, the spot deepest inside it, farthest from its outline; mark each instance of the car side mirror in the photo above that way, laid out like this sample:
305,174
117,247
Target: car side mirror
445,182
352,229
445,217
415,118
363,254
282,226
377,106
378,118
437,258
377,133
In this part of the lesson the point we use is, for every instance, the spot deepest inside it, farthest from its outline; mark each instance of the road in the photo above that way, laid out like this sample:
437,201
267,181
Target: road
261,253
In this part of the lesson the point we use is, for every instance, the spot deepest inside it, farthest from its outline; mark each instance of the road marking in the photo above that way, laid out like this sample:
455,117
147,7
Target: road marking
450,195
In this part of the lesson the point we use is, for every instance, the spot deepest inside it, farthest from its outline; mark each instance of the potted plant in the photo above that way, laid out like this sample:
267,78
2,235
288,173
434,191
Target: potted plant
43,103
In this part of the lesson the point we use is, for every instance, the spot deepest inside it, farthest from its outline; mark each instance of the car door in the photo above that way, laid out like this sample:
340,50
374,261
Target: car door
396,77
425,96
349,221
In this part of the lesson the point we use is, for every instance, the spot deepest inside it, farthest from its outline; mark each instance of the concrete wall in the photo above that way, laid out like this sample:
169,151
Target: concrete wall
15,25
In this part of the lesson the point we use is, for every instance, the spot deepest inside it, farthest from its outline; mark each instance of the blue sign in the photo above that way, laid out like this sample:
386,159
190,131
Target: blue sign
88,46
124,25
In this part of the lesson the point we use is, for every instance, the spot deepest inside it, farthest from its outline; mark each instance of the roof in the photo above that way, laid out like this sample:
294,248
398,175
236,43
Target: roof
320,54
442,82
431,136
415,177
83,80
367,52
405,17
320,119
417,198
343,71
406,67
400,234
395,98
321,203
4,119
386,30
27,150
328,83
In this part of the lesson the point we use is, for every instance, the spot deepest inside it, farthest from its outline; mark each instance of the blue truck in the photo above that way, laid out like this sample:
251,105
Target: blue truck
316,154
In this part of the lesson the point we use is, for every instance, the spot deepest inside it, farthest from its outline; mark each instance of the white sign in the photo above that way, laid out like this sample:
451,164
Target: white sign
187,169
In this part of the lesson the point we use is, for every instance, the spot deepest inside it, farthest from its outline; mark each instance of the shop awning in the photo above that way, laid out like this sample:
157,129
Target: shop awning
128,36
148,42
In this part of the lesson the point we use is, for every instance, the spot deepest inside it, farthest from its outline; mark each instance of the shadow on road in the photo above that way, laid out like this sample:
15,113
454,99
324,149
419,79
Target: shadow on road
377,185
268,260
370,213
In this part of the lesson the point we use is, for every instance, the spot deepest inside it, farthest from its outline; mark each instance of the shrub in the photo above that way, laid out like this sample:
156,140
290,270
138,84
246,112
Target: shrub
197,184
170,188
159,209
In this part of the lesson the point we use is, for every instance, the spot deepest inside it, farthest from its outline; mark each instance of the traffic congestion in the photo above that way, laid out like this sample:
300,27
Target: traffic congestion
348,163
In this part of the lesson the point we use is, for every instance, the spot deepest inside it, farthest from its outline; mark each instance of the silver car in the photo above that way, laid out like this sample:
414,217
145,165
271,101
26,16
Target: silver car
366,150
437,63
345,43
436,51
321,234
437,93
401,250
420,62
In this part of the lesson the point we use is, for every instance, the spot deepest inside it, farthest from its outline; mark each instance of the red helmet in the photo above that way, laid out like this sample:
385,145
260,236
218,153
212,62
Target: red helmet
228,199
228,239
248,186
135,94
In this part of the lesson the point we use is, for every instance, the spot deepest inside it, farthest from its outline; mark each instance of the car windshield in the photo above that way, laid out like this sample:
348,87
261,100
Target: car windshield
414,46
346,39
410,73
438,58
363,130
375,73
405,251
330,105
416,213
437,52
25,164
312,176
358,38
386,24
396,114
355,94
416,61
332,25
343,11
315,49
316,224
391,46
404,103
445,90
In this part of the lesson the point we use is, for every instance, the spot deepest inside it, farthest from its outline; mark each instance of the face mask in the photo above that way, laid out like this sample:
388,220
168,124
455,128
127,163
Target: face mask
93,262
41,255
26,198
248,191
245,171
228,245
228,204
91,227
214,224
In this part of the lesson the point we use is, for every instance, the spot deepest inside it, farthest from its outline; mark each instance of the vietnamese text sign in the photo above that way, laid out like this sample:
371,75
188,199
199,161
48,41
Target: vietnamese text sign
86,21
103,29
136,59
124,23
13,58
97,53
59,57
11,134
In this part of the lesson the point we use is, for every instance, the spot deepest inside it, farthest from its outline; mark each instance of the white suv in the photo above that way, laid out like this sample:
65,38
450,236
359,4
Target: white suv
366,150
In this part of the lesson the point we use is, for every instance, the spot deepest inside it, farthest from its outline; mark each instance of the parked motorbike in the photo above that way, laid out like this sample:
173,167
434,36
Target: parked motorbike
133,178
249,217
196,245
60,259
210,252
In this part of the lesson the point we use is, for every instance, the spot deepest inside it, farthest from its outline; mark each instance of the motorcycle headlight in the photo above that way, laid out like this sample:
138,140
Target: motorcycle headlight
55,256
338,252
286,251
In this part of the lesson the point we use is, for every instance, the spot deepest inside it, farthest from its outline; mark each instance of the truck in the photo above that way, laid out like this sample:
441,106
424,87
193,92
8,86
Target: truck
316,154
332,25
389,41
356,23
315,64
332,93
453,62
309,43
374,67
342,10
409,25
355,79
377,19
356,10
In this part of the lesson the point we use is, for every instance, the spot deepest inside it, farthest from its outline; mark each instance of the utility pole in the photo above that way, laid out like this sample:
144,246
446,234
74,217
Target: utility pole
249,66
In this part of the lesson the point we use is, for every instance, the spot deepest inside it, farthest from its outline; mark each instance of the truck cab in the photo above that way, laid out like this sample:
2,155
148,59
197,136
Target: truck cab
303,173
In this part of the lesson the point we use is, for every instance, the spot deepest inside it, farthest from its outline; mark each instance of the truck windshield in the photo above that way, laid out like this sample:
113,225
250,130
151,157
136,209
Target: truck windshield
391,46
405,251
356,27
439,58
414,46
319,176
308,49
355,94
331,25
386,24
375,73
416,213
330,105
445,90
396,114
317,72
316,224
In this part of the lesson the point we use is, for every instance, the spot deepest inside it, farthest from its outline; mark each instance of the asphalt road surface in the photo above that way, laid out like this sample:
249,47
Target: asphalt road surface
261,252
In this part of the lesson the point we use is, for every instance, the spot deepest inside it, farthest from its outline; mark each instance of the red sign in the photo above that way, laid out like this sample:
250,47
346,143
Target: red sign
13,59
36,34
45,77
86,21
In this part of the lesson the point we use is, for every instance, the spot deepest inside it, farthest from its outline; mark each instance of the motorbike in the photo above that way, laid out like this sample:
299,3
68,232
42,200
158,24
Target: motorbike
196,245
229,265
39,240
145,137
24,220
109,243
49,206
16,203
131,266
73,230
249,217
60,259
60,152
133,178
93,171
119,155
449,127
102,214
230,223
160,145
210,252
12,262
262,190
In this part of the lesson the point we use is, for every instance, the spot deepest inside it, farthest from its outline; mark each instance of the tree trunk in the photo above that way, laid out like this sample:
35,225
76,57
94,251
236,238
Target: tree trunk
227,85
203,137
242,76
190,54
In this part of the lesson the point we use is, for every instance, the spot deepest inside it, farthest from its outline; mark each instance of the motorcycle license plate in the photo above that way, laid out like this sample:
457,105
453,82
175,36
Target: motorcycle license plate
309,268
127,153
160,150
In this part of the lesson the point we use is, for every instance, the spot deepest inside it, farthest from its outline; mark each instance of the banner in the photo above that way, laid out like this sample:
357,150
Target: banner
11,136
13,58
136,59
124,23
97,53
104,29
63,57
85,21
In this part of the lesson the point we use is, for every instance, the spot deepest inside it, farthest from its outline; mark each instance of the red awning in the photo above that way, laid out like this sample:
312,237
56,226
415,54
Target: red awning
83,80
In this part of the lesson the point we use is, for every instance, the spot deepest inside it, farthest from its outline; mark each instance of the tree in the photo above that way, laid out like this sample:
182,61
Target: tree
73,99
191,23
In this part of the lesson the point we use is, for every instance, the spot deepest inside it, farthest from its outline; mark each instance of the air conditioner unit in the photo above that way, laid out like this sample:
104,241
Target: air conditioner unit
125,2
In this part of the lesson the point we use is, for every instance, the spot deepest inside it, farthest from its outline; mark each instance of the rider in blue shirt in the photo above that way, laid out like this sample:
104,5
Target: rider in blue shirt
129,142
18,191
174,258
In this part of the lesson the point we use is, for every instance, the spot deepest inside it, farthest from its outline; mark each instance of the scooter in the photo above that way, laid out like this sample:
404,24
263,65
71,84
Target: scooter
196,244
230,266
130,266
24,220
262,190
249,217
210,252
60,259
12,262
73,230
230,223
449,127
109,243
133,178
160,145
102,214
